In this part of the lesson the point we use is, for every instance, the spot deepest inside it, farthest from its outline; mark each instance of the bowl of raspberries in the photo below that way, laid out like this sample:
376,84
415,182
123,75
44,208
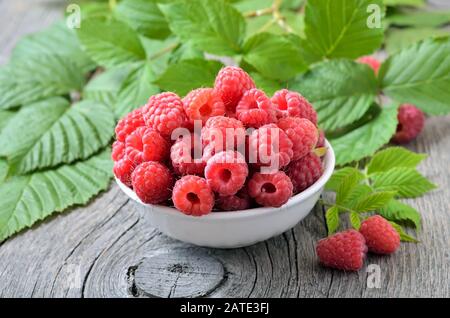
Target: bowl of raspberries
226,166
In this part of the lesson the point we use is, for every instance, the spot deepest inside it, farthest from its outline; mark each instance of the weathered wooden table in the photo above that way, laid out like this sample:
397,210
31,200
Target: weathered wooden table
107,249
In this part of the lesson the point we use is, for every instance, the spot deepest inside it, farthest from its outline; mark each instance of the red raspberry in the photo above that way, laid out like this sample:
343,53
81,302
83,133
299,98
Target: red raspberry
321,140
145,144
270,146
345,250
226,172
371,61
152,182
118,150
302,133
255,109
410,123
270,189
231,83
128,124
305,172
164,113
123,168
292,104
380,235
228,130
193,196
183,155
203,103
238,202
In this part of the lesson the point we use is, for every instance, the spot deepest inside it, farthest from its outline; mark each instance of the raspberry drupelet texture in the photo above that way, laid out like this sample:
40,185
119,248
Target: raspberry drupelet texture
410,123
270,189
146,144
128,124
123,169
118,150
305,172
226,172
224,132
255,109
270,146
186,155
239,201
380,235
152,182
193,196
302,133
292,104
231,83
203,103
371,61
164,113
345,250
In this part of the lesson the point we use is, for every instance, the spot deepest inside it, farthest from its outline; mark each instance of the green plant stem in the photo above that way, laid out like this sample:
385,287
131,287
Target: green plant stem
164,51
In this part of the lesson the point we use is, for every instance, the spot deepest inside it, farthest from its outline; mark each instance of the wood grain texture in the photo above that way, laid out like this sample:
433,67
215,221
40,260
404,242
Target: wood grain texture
108,249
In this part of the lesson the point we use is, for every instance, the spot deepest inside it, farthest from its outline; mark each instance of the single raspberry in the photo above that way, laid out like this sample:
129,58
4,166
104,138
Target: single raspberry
305,172
203,103
193,196
270,146
371,61
226,172
186,155
238,202
270,189
380,235
410,123
302,133
123,169
225,133
152,182
292,104
255,109
118,150
146,144
345,250
321,140
164,113
231,83
128,124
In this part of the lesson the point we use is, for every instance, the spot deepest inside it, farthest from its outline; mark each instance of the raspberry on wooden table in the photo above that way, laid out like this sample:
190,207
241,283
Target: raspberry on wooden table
292,104
128,124
183,156
226,172
305,171
272,190
203,103
410,123
231,83
345,250
255,109
303,134
146,144
193,196
152,182
380,235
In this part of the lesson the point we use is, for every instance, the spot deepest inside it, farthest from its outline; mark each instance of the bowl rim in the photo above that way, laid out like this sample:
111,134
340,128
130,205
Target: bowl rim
329,164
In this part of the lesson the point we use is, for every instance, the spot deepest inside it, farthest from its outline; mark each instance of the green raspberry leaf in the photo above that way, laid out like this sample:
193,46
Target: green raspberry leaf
346,100
406,181
136,89
274,56
339,28
269,86
211,25
394,157
110,42
5,117
373,201
404,237
28,199
4,168
347,185
420,75
59,40
186,75
52,132
340,175
419,18
365,140
37,77
332,219
399,39
355,220
401,213
411,3
144,16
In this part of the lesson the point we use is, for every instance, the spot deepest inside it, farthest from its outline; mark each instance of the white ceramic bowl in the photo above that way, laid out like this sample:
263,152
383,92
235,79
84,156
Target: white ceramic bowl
237,228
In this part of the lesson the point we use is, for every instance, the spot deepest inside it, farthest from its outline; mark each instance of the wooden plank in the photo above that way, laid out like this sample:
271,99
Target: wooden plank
109,249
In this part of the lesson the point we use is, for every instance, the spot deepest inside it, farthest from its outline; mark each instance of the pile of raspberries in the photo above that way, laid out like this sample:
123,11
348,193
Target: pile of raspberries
225,148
